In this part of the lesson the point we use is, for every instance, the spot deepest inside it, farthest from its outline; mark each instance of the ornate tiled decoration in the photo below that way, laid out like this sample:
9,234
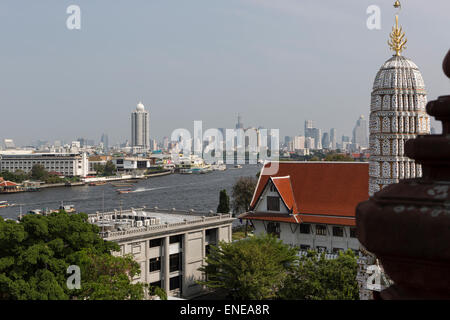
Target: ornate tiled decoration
397,114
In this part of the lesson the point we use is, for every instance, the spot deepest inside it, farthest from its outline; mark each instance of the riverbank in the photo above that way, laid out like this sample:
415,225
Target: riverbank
182,191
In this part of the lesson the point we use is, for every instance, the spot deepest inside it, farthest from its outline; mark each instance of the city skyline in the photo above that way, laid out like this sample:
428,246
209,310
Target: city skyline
252,59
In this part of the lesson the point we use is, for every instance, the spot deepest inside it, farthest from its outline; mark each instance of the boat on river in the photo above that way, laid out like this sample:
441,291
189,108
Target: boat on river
122,191
4,204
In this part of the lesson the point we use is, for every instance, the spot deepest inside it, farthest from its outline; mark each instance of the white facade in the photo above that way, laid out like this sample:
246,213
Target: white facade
291,234
304,236
131,163
140,132
67,164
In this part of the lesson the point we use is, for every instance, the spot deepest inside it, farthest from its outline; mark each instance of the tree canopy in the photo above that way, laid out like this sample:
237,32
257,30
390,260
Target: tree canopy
242,193
224,202
108,169
36,252
250,269
318,278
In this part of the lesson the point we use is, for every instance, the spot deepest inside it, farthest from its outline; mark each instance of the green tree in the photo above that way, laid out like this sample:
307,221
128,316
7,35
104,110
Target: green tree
242,193
38,172
99,169
224,202
36,252
249,269
338,157
318,278
110,168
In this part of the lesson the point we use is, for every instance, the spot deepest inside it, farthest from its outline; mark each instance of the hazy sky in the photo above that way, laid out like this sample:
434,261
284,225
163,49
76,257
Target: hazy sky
277,62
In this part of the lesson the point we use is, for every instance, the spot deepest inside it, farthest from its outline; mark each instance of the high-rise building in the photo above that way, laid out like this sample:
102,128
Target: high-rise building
105,141
309,126
140,132
239,124
298,143
333,137
326,144
317,135
397,115
360,133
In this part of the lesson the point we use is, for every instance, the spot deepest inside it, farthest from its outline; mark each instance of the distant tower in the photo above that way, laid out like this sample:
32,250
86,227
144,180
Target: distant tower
239,124
326,140
140,134
397,115
105,141
360,132
309,126
333,137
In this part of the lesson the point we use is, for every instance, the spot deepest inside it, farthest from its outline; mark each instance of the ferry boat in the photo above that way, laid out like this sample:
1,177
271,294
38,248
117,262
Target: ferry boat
122,191
4,204
99,183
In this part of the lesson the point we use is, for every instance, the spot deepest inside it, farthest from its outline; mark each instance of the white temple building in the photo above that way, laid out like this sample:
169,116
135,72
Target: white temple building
397,114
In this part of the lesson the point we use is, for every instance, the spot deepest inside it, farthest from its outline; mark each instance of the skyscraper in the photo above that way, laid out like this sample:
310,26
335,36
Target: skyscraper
360,133
326,140
140,134
397,115
239,124
309,126
105,141
333,137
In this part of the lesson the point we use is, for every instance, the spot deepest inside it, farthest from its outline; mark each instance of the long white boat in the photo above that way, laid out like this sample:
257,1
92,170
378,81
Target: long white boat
4,204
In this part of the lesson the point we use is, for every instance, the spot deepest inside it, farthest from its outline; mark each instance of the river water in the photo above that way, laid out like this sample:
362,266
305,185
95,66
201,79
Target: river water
181,191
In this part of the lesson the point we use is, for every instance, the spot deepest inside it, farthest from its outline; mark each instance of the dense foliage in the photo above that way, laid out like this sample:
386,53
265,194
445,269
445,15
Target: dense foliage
36,252
242,193
317,278
37,173
253,268
106,170
224,202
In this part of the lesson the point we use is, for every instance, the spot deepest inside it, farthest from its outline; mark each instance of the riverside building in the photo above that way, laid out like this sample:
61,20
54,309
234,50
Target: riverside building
65,164
169,245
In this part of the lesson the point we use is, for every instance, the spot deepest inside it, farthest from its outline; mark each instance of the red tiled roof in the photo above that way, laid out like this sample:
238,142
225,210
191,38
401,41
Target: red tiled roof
284,187
7,184
328,190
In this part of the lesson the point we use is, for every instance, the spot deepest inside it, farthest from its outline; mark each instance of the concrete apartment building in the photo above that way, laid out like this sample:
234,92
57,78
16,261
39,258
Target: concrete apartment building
169,245
66,164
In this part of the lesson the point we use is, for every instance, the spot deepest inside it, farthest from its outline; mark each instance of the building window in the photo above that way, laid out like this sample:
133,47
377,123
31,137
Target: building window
136,249
304,247
175,239
321,230
305,228
155,243
338,231
321,249
156,284
336,250
175,262
207,249
175,283
353,233
274,229
155,264
273,203
272,187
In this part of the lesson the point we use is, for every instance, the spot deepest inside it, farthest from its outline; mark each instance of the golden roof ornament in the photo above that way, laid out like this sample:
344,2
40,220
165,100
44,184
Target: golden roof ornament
397,41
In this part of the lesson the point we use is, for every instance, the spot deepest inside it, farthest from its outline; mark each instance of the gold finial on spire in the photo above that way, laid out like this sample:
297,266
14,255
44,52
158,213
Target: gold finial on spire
397,36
